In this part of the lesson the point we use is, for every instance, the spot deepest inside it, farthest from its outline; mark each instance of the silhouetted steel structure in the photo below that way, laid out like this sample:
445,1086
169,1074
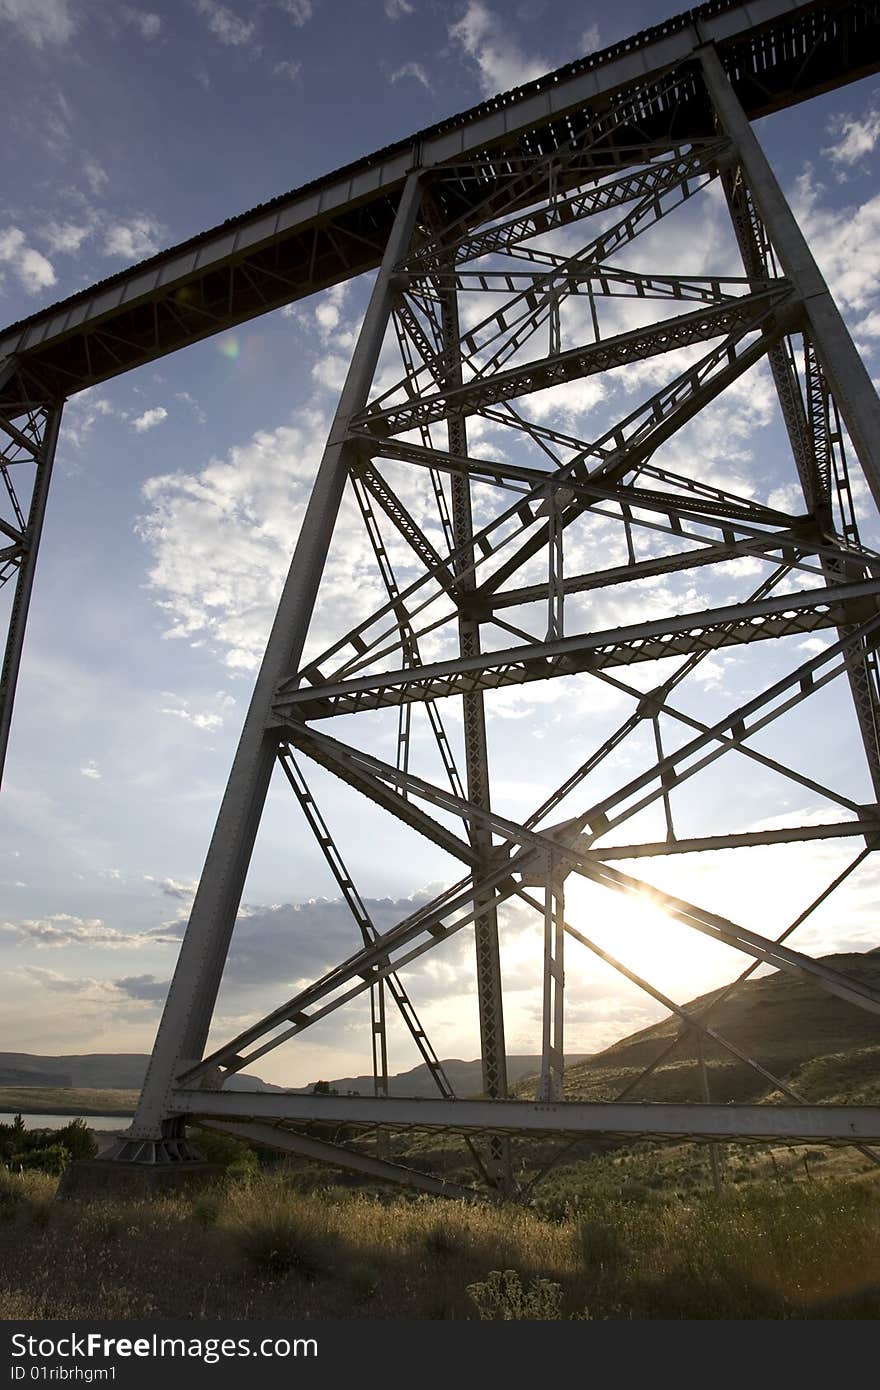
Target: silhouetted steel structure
601,151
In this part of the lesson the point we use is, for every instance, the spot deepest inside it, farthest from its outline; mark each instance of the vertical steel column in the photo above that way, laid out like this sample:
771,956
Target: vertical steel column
489,994
755,255
841,363
27,569
551,1083
556,567
186,1019
760,194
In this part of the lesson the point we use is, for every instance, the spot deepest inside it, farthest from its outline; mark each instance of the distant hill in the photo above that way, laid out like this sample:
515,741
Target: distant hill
104,1071
824,1047
110,1071
819,1044
464,1077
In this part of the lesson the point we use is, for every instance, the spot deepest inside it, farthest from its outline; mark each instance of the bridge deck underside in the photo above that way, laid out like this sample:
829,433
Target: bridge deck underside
776,55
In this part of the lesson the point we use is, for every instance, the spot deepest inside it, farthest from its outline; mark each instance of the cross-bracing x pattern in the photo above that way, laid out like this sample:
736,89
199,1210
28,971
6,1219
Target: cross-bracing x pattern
28,435
512,545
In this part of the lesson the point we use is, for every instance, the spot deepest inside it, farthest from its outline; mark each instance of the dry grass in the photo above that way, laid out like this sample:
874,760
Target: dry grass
67,1100
257,1248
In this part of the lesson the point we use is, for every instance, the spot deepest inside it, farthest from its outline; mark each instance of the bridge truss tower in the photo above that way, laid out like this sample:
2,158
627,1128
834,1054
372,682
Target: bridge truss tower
508,550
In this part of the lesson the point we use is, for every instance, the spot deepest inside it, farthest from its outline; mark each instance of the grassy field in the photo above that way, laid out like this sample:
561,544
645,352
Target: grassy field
613,1230
607,1245
66,1100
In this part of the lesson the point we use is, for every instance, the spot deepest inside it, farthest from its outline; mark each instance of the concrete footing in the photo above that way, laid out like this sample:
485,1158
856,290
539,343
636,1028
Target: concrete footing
100,1177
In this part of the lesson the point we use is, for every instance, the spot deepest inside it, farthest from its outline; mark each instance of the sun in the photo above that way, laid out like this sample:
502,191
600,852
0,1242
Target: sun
676,959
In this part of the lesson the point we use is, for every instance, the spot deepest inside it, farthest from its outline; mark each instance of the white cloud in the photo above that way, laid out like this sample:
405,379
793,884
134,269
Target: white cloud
396,9
590,39
207,719
174,888
150,419
40,21
869,327
149,24
328,310
300,11
11,242
209,722
32,269
854,138
567,402
57,119
330,371
290,69
62,929
485,39
221,539
414,70
844,240
97,176
225,24
91,770
186,399
136,239
82,413
65,237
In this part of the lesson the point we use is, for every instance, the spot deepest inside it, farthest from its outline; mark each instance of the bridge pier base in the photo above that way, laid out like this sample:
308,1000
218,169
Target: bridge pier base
94,1179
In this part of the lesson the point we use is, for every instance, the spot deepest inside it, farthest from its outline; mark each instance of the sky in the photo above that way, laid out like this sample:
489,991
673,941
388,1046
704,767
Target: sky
178,493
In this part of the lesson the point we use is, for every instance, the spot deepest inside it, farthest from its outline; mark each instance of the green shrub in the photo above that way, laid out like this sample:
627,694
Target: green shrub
278,1242
502,1297
234,1156
12,1195
77,1139
51,1158
601,1245
447,1242
11,1138
207,1206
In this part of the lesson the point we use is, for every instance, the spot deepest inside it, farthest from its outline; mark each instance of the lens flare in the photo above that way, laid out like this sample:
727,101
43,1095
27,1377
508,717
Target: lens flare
229,347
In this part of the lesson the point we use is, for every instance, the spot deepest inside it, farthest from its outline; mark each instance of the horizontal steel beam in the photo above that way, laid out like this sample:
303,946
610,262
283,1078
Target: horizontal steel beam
794,834
796,1123
507,237
764,547
808,610
684,330
602,280
696,499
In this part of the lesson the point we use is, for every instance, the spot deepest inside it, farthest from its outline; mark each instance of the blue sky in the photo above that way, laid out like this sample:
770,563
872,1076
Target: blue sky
179,490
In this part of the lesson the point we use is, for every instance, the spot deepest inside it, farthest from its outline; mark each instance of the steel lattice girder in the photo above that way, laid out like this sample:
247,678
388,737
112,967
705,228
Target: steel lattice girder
784,615
794,1123
637,346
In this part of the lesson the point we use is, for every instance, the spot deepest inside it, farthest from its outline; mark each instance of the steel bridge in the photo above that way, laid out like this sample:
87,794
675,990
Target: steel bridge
499,239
